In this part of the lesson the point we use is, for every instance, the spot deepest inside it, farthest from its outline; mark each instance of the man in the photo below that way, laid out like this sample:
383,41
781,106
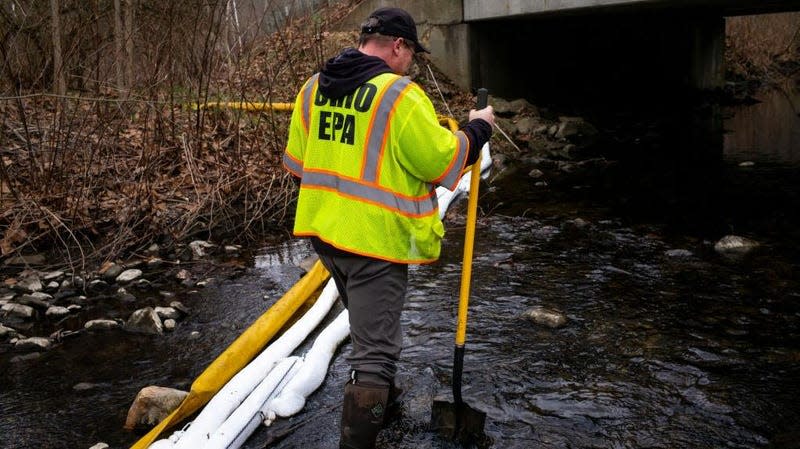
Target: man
369,150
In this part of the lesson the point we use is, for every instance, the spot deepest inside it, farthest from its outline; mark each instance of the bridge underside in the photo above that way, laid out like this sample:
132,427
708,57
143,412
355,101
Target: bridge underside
475,10
623,56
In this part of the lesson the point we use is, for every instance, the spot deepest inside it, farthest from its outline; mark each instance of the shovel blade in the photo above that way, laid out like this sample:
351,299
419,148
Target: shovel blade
458,422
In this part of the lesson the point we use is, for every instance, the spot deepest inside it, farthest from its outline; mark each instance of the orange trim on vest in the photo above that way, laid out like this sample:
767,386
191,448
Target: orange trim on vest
365,254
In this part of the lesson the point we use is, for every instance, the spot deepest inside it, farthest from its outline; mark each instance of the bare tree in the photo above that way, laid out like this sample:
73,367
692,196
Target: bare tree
58,65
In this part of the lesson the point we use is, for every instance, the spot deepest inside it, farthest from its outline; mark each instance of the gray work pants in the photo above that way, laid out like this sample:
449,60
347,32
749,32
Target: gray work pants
373,291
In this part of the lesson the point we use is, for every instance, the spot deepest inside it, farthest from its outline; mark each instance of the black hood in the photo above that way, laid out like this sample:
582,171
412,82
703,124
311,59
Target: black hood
349,69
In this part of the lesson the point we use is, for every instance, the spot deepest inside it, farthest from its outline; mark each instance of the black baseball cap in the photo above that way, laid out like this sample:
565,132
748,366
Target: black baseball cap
393,22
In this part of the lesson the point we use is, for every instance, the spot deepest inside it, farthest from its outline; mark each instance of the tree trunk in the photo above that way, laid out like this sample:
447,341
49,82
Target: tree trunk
129,12
59,81
119,40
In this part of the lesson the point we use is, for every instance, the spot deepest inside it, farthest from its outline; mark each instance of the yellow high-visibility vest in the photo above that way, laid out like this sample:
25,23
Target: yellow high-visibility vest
369,164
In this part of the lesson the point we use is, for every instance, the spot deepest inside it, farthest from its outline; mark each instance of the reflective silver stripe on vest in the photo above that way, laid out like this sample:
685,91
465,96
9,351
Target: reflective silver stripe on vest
293,166
452,176
380,127
307,91
406,206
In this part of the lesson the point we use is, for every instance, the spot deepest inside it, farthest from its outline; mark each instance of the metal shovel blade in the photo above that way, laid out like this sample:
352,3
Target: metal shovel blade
458,422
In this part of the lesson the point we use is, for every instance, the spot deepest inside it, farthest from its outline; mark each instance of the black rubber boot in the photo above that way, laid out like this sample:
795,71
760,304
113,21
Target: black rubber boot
362,414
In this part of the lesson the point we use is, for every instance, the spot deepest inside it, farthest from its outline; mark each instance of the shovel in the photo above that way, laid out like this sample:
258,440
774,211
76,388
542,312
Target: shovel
456,419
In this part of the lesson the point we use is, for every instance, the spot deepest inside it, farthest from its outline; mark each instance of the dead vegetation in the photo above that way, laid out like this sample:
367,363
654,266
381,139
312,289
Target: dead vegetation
122,159
765,47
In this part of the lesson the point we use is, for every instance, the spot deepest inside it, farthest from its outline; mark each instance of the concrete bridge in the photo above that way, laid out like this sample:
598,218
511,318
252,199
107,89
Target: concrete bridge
594,48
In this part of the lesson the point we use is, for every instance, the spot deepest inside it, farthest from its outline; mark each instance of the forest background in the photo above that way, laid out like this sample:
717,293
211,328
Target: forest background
104,150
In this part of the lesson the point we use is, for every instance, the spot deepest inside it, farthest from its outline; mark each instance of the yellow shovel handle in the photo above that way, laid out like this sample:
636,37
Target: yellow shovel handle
469,239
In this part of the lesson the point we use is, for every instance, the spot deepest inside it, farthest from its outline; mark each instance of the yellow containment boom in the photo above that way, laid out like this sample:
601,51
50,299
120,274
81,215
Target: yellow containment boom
241,351
243,106
447,122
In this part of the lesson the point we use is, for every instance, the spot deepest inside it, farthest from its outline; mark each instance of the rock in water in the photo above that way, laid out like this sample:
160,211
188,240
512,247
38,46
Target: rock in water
546,317
152,405
734,244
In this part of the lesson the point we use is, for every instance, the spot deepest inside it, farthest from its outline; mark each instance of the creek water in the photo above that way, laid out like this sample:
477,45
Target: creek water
668,344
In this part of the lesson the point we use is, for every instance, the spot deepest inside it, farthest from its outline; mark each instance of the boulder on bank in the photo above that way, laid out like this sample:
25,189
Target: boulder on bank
152,405
129,275
33,344
101,325
146,321
19,311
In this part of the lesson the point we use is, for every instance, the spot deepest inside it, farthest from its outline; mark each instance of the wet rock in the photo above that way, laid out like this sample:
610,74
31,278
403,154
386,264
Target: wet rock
205,282
101,325
183,275
29,259
53,276
167,313
154,262
170,324
151,405
19,311
521,105
38,300
572,127
546,317
153,250
526,125
535,173
97,286
7,333
29,284
501,106
146,321
177,305
52,286
124,296
33,344
84,386
63,295
56,312
735,245
73,282
678,253
109,271
200,249
142,284
129,275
